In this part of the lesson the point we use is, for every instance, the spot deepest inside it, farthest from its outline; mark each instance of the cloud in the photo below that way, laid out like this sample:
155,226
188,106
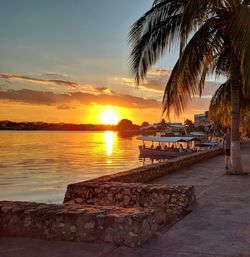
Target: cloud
40,81
49,82
148,84
3,86
66,107
149,94
73,99
156,81
154,84
105,90
159,73
55,75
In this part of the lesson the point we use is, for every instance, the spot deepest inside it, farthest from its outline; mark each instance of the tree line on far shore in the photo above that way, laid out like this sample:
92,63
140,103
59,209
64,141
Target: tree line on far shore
123,125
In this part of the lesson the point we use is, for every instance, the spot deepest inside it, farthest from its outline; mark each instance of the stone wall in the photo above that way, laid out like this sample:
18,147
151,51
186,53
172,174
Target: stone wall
154,171
126,189
117,209
169,201
74,222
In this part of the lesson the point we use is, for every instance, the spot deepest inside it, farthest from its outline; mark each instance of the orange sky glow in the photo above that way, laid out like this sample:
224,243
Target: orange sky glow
32,99
74,71
53,100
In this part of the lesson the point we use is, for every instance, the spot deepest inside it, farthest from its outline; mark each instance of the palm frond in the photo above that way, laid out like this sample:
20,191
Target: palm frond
153,15
150,36
194,14
214,36
146,51
220,101
220,104
188,75
167,22
222,64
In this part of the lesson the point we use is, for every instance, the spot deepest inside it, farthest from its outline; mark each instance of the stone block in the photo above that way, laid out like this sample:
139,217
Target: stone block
169,201
74,222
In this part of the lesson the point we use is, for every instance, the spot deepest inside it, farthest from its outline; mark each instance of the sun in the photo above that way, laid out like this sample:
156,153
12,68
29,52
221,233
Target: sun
109,117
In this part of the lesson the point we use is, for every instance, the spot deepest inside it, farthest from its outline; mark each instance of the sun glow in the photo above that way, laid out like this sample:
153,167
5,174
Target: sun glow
109,138
109,117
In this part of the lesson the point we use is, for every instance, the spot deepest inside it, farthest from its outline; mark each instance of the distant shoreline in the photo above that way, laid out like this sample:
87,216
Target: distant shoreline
43,126
60,130
68,130
10,129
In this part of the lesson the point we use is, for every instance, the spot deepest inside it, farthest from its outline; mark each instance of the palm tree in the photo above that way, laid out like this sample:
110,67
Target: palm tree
221,108
220,104
214,37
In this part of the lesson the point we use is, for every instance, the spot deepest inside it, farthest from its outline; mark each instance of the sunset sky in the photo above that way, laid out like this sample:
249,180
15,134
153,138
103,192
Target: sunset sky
67,61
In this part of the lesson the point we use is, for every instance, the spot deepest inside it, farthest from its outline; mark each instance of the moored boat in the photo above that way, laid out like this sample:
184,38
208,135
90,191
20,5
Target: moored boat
167,146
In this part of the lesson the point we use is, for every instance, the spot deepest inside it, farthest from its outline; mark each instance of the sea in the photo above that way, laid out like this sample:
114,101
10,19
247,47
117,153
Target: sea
38,165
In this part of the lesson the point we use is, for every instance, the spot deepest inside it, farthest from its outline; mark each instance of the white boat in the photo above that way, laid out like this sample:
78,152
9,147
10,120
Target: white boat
167,146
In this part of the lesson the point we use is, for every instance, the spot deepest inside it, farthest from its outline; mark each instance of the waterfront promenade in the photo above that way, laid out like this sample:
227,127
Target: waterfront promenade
219,224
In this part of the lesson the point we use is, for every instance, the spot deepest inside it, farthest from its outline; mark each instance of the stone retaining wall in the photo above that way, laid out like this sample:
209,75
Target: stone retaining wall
74,222
117,208
154,171
169,201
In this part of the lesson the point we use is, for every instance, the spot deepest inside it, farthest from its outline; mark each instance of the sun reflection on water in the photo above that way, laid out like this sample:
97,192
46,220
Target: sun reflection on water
109,138
43,163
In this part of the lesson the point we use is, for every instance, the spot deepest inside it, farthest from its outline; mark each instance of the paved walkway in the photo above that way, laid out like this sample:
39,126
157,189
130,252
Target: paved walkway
219,224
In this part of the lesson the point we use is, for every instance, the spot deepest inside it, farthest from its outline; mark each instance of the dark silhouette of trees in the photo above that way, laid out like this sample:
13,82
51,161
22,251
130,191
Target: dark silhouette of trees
125,124
145,124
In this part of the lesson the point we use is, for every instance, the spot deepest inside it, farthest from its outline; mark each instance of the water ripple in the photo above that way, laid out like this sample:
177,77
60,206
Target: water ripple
38,166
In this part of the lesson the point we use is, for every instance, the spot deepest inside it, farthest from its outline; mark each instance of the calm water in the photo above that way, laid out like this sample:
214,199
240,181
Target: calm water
38,166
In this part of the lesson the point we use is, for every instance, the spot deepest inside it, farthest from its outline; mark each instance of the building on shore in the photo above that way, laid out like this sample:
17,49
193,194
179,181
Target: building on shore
163,128
201,120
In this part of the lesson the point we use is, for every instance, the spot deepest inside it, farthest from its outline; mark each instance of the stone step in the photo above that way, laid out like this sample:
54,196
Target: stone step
75,222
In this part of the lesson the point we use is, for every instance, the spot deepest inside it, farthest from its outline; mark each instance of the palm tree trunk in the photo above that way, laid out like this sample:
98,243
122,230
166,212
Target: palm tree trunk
235,129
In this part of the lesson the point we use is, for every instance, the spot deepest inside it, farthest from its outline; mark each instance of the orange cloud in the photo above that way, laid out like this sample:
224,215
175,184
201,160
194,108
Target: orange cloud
74,99
159,73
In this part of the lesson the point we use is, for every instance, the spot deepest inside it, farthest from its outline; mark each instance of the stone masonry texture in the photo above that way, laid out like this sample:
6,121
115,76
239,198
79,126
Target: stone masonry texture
169,202
74,222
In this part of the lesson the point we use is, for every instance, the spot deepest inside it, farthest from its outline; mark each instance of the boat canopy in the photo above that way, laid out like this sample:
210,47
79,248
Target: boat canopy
197,133
168,139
